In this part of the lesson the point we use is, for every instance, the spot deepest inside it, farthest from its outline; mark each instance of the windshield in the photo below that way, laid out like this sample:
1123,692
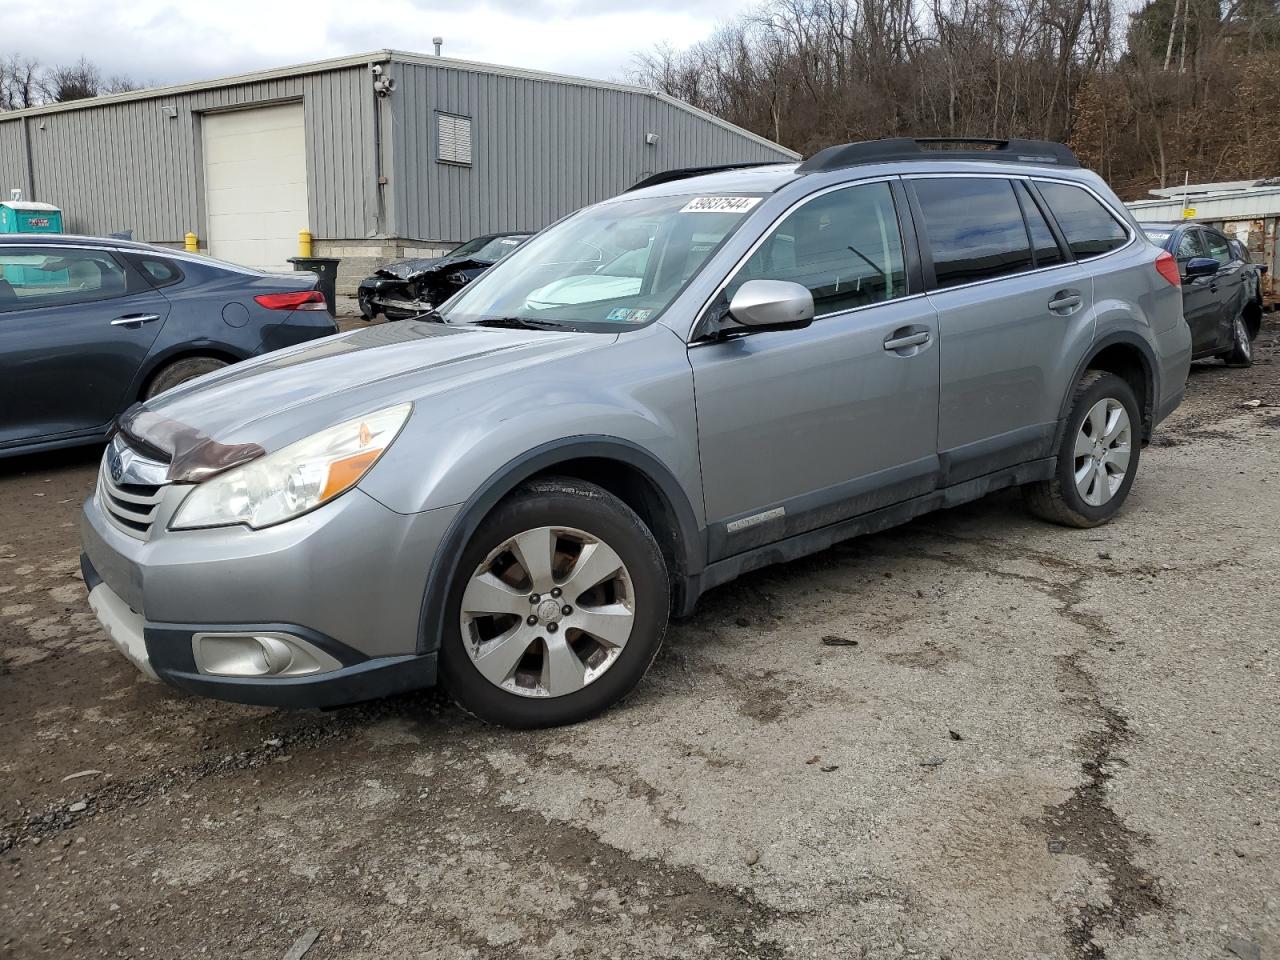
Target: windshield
608,267
488,248
1159,237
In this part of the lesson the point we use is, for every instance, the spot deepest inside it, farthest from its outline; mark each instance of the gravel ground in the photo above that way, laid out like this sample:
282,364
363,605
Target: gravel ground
975,736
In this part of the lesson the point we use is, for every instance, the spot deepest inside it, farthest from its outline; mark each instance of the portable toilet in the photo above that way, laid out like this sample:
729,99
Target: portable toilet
27,216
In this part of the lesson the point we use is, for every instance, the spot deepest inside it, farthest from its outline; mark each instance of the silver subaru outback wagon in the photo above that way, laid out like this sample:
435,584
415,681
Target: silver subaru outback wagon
713,372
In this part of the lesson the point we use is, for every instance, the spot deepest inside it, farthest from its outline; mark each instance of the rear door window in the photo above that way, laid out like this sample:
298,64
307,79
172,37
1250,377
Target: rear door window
32,277
1043,243
1091,230
975,228
844,246
1218,247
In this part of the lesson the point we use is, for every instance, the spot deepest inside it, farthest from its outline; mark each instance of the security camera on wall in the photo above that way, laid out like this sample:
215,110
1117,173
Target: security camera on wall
384,85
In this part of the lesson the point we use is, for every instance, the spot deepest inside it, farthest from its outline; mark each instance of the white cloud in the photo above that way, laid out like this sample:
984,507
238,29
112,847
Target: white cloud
166,42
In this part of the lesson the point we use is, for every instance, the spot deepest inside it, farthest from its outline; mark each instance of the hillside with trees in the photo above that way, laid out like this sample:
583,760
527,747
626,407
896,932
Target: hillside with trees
1179,87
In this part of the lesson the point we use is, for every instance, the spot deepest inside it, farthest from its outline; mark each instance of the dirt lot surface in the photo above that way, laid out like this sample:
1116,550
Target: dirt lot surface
975,736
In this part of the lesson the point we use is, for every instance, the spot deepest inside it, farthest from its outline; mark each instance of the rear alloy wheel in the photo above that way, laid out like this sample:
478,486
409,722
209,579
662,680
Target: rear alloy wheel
1241,352
1097,457
560,606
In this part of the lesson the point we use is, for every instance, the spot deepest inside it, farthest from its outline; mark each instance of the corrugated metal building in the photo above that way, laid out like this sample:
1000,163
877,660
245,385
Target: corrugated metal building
1248,210
380,156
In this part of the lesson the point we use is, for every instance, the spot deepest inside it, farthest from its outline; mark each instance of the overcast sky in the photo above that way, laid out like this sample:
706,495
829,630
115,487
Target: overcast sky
158,42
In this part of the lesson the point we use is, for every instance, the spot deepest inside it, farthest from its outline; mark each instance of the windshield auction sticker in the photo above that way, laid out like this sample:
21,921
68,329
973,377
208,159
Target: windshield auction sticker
720,204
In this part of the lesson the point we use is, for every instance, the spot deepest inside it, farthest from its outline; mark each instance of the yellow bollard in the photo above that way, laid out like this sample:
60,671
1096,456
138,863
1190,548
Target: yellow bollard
304,243
192,243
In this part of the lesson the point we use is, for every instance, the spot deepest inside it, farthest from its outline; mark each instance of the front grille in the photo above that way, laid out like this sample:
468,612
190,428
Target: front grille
130,503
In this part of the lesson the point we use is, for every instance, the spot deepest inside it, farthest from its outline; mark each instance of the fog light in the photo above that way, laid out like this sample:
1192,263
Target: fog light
259,655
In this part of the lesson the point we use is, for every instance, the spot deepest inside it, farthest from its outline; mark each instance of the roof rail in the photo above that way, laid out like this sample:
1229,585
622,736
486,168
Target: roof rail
939,148
684,173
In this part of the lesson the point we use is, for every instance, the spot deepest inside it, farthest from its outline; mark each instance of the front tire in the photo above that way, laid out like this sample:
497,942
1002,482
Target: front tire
1097,458
1241,352
559,605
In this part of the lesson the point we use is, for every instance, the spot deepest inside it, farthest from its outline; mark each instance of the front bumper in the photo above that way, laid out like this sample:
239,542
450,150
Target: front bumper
346,580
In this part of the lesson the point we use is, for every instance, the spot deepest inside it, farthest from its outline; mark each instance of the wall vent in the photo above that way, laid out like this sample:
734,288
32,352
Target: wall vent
453,138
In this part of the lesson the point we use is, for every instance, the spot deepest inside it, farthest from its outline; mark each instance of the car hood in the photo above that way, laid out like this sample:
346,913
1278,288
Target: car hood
223,419
413,269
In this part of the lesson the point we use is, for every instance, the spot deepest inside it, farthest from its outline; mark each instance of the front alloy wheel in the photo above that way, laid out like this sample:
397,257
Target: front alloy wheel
1241,352
558,606
548,612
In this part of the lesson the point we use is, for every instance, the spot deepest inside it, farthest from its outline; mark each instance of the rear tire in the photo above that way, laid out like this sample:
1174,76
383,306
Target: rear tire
567,632
180,371
1097,458
1241,352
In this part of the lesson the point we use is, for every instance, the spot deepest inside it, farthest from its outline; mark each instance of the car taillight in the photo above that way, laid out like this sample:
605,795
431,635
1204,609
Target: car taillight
298,300
1167,267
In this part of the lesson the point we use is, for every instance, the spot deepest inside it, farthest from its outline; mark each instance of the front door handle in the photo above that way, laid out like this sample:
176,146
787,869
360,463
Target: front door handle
134,320
910,340
1064,300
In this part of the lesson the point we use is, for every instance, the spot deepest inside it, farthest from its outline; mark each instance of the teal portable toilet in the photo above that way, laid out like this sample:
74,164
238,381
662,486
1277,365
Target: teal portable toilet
26,216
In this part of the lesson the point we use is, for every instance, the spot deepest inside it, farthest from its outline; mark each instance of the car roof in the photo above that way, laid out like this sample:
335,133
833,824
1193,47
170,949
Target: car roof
865,159
1165,227
72,240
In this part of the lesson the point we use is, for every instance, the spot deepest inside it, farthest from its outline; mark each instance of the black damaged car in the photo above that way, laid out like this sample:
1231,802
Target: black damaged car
410,287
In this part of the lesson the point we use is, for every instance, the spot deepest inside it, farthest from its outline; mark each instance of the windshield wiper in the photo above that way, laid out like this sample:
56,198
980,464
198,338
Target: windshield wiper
517,323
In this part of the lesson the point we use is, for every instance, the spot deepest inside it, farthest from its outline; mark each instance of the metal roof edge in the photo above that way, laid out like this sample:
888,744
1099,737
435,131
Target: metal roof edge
385,56
721,122
155,93
1193,199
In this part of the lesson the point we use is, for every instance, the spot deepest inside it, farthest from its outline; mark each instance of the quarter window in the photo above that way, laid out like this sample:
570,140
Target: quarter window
160,272
844,246
1089,227
975,228
39,278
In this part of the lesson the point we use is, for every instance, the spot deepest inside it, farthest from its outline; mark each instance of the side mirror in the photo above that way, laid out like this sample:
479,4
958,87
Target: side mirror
772,305
1201,267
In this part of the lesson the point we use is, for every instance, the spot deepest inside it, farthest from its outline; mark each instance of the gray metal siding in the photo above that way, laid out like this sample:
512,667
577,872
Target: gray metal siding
541,149
13,160
122,166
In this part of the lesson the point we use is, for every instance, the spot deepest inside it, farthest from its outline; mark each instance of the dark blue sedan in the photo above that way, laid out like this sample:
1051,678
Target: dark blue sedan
89,326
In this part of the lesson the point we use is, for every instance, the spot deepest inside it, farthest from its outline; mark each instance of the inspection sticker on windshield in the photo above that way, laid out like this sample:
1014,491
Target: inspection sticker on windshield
628,315
720,204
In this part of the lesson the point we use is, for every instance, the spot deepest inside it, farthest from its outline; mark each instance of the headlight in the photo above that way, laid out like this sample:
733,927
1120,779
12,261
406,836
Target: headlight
294,479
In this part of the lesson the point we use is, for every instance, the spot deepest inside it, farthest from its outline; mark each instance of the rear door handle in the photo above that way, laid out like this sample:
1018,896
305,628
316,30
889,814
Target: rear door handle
1064,300
134,320
910,340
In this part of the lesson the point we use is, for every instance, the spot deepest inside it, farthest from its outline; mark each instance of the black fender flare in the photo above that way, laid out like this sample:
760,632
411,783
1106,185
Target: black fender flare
521,468
1150,368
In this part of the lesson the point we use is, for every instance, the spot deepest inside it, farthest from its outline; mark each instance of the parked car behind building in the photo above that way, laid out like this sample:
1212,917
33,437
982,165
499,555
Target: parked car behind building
514,493
411,287
1221,289
89,326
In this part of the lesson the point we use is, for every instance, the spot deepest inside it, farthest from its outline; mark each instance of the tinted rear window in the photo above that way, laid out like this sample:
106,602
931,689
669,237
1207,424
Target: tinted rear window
975,228
1089,228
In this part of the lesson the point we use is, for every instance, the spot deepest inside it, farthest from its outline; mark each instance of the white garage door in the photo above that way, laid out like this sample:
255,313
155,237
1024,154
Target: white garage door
255,175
